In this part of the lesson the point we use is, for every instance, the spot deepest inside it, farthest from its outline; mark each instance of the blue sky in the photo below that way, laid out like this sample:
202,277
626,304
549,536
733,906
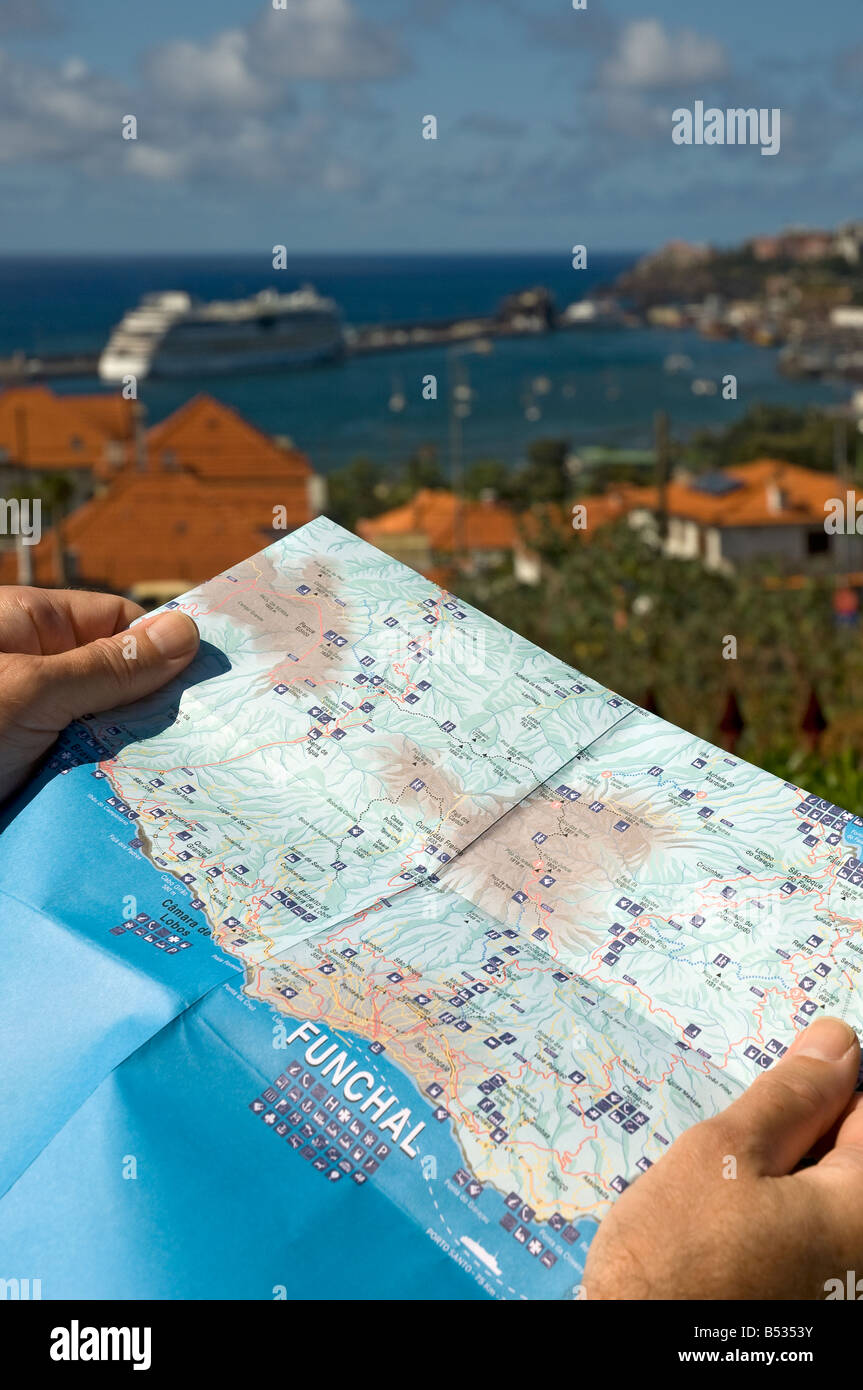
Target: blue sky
302,126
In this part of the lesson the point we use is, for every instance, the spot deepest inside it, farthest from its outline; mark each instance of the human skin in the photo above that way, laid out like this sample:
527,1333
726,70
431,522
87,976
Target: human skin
65,653
686,1228
728,1213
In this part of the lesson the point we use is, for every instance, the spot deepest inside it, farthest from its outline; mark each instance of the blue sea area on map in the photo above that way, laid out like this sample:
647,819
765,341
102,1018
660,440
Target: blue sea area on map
165,1185
140,1170
75,1000
69,885
854,834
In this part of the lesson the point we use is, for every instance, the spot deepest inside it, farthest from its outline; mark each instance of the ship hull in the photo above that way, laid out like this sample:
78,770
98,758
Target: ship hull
215,363
164,337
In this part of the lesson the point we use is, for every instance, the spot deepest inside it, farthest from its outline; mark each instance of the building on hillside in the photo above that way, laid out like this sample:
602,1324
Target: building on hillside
765,510
444,536
797,244
849,240
152,540
208,490
847,317
55,450
88,438
211,441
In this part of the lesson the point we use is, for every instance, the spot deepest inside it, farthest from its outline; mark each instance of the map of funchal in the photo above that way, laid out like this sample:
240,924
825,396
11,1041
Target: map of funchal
378,955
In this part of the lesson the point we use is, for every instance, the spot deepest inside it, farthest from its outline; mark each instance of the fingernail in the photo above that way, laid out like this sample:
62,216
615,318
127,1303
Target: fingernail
829,1039
173,634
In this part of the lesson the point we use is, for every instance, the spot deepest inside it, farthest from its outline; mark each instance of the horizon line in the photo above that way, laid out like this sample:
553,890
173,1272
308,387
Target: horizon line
564,254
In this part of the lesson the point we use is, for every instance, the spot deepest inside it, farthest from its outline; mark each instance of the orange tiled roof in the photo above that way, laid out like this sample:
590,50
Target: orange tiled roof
433,513
213,441
601,509
39,429
804,493
145,528
108,411
773,493
206,499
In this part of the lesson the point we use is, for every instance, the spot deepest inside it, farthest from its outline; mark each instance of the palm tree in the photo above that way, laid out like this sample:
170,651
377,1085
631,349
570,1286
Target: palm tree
54,492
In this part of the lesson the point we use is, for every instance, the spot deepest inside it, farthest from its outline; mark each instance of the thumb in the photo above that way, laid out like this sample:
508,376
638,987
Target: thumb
791,1106
117,670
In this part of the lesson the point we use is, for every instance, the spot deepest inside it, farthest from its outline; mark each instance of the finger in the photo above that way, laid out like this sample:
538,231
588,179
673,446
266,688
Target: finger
43,622
833,1188
96,615
776,1122
116,670
846,1154
828,1139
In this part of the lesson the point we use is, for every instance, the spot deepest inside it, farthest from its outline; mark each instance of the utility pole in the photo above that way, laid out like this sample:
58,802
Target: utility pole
459,396
24,562
662,468
661,471
840,465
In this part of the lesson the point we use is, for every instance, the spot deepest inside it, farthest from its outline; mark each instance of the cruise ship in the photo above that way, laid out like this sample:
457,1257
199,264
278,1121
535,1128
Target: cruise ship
171,334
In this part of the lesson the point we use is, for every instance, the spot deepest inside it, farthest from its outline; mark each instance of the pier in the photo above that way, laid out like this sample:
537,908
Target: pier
20,368
528,313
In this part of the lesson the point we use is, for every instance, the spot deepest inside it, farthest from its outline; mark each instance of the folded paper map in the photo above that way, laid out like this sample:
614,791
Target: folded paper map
376,956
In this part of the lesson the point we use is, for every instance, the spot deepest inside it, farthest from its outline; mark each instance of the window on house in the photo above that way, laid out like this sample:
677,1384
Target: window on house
817,543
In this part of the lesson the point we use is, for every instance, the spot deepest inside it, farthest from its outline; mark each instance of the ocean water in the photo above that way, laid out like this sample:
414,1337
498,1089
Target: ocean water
588,385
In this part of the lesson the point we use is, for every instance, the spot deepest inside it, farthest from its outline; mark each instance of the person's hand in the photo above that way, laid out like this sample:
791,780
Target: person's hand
690,1228
64,654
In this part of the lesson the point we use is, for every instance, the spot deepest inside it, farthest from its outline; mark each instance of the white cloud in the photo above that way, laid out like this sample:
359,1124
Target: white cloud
154,163
220,109
53,113
73,69
247,69
650,57
72,118
217,72
324,40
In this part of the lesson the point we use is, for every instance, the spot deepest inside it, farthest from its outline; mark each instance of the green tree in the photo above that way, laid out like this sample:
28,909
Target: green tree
545,478
356,490
488,475
611,606
804,437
